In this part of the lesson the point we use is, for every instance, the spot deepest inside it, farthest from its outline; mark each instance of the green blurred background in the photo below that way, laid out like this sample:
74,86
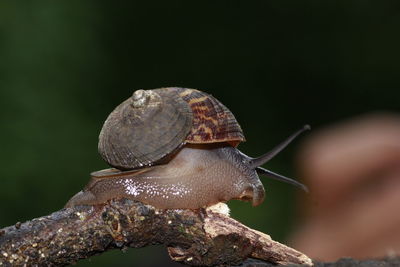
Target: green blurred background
276,64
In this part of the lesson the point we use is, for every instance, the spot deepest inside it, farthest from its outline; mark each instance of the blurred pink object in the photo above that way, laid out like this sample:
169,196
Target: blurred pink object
353,172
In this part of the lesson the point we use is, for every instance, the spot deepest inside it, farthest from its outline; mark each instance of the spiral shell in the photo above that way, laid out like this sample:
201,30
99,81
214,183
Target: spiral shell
152,124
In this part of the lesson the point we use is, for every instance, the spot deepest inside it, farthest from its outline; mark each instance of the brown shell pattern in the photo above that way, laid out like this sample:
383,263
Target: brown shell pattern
212,121
152,124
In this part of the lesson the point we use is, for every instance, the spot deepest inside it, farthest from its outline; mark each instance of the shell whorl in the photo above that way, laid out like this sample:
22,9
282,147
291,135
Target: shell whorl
144,128
152,124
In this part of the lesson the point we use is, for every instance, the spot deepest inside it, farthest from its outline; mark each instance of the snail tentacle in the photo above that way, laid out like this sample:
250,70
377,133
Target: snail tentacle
256,162
276,176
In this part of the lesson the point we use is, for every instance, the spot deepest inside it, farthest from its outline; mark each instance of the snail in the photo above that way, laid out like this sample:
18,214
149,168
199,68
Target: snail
175,148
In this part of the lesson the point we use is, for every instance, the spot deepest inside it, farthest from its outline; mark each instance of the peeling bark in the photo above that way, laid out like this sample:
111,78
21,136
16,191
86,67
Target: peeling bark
197,238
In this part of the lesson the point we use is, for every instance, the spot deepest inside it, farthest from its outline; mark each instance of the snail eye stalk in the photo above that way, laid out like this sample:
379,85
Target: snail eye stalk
256,162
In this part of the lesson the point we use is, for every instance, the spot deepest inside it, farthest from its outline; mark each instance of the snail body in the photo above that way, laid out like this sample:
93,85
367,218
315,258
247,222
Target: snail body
175,148
190,180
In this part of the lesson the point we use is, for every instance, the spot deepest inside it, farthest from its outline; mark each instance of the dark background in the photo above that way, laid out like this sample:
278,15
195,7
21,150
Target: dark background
276,64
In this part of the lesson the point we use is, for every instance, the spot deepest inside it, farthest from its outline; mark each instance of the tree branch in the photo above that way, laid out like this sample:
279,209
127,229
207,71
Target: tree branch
203,237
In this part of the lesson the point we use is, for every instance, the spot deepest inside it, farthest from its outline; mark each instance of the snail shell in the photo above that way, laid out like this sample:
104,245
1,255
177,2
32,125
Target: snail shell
175,148
152,124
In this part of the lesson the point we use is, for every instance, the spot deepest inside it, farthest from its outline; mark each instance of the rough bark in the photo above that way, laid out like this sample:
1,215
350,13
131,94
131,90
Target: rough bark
203,237
345,262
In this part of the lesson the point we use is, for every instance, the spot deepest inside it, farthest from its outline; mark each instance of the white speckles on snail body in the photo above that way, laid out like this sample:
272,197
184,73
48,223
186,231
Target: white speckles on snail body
149,190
